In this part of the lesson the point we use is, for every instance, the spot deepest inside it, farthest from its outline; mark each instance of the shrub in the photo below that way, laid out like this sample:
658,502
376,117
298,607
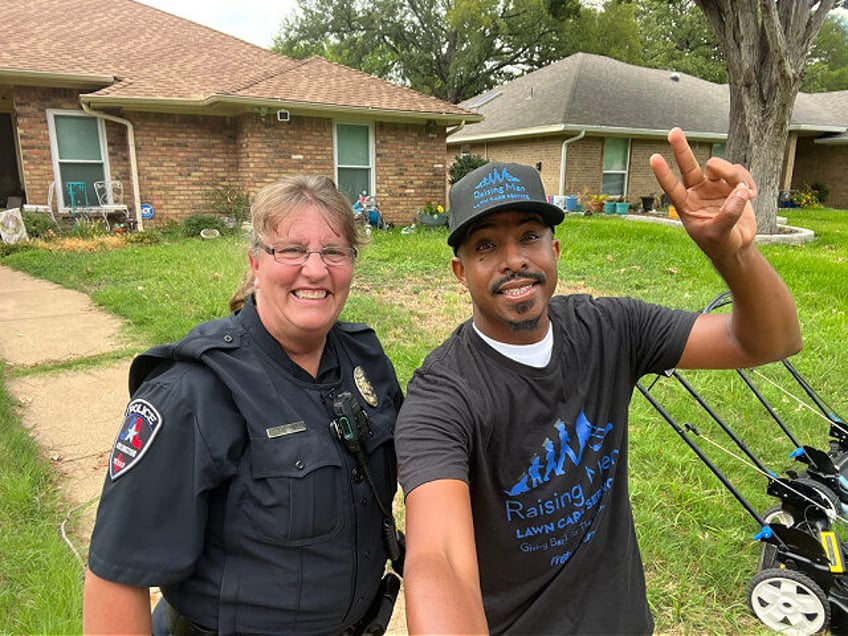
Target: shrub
38,225
85,229
821,191
463,164
12,248
197,222
228,202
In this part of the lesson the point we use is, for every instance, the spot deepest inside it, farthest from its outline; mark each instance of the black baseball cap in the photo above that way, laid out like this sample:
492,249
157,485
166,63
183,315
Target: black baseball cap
496,187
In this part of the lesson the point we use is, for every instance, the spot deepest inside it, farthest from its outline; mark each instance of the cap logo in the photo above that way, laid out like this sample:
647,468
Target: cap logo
499,185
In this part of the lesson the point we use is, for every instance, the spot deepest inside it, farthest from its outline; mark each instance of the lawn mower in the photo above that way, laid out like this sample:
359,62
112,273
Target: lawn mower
801,584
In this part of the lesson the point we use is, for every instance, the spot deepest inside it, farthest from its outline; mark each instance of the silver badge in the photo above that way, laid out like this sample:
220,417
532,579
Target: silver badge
364,386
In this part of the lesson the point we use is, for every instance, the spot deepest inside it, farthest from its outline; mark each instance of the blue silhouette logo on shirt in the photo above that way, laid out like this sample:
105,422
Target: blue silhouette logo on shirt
587,434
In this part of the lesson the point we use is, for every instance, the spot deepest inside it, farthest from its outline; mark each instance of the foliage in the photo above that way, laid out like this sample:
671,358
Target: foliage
229,202
827,66
463,164
12,248
452,49
86,229
675,35
193,225
431,207
38,225
810,196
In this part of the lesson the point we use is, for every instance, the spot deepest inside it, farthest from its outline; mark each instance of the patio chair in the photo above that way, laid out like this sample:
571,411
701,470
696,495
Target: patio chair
110,195
44,209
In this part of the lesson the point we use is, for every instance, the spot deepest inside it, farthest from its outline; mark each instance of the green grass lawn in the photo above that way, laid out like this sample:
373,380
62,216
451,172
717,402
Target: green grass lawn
696,539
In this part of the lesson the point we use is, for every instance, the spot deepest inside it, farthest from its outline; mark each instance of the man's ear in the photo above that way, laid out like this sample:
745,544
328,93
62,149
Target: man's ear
459,270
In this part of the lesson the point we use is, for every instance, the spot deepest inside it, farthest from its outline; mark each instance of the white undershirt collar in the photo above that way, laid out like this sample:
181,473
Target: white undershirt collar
537,354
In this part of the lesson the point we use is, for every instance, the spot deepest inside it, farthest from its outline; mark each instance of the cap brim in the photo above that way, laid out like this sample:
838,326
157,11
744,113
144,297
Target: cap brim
551,215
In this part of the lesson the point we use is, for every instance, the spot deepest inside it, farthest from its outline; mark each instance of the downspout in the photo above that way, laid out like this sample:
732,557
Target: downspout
133,163
563,153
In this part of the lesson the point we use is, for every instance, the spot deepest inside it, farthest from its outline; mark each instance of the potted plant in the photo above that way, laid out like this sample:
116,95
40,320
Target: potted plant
432,214
594,202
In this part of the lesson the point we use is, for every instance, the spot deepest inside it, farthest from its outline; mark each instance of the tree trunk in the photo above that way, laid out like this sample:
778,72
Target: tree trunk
765,44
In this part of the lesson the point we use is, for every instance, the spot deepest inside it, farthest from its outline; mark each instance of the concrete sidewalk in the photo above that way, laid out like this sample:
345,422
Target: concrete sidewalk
74,415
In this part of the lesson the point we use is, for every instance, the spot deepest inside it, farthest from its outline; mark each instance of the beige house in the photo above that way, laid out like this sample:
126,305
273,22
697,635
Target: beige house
589,124
100,89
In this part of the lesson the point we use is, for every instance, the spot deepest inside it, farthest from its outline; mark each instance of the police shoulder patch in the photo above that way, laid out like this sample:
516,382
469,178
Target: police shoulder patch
141,424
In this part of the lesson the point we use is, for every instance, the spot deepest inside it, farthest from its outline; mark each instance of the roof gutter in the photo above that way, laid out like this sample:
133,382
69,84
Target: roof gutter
133,162
597,130
236,103
47,78
456,130
563,155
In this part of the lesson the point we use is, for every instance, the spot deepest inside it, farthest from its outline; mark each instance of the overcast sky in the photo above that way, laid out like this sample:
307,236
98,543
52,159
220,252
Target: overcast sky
256,21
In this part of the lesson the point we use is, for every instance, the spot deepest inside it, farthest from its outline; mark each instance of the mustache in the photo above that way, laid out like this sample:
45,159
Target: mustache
536,277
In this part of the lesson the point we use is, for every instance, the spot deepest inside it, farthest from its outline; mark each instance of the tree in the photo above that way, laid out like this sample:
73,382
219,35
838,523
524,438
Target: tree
827,68
452,49
676,36
765,45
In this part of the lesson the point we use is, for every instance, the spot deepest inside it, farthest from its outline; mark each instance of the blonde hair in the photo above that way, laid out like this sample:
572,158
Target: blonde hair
276,201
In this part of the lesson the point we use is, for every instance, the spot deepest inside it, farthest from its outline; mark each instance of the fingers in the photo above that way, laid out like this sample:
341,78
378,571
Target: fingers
666,178
732,174
690,169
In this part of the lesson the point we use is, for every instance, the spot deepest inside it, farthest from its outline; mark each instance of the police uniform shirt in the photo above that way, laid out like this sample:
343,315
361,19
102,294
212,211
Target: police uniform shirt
239,501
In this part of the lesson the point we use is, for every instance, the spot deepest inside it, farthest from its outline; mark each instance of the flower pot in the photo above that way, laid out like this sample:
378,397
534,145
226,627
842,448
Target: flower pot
647,203
433,220
622,207
609,207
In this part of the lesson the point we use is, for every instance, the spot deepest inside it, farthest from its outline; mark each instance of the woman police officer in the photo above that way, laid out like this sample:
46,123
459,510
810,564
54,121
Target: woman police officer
228,487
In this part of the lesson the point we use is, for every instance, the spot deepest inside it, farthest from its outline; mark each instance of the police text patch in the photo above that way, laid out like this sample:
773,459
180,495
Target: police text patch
141,424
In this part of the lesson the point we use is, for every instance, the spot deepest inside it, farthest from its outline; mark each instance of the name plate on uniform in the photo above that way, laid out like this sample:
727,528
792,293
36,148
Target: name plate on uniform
285,429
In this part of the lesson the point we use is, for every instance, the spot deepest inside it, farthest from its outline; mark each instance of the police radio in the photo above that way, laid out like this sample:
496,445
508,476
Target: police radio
351,423
352,427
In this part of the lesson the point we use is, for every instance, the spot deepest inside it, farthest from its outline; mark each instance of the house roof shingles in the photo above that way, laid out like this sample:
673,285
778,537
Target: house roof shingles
599,94
157,57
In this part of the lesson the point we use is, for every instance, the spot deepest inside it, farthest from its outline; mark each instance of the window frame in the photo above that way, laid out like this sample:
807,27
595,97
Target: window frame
625,172
371,167
58,162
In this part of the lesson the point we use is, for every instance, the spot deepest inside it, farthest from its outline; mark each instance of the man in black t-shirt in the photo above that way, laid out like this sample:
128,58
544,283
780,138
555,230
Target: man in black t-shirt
512,441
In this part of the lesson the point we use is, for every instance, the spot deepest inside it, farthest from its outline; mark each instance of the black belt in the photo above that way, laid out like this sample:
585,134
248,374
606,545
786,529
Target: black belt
181,625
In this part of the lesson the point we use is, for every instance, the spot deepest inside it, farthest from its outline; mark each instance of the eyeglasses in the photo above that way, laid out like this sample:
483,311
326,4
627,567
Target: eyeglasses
298,255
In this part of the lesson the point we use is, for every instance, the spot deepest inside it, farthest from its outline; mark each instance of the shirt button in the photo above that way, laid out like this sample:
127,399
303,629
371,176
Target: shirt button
299,464
357,475
366,553
363,501
228,338
360,600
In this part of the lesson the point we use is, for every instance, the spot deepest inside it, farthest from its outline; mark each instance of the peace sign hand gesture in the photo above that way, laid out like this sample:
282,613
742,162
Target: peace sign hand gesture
714,205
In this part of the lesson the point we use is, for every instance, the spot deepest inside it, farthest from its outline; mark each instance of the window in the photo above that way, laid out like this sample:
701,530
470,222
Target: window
616,159
354,162
717,150
78,147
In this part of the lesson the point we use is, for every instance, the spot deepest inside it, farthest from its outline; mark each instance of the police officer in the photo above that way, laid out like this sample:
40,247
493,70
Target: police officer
228,485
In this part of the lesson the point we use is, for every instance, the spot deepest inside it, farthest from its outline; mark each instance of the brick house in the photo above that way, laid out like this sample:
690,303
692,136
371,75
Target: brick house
93,89
590,123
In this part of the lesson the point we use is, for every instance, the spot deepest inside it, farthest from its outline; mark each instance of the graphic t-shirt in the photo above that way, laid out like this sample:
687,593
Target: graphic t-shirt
544,451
